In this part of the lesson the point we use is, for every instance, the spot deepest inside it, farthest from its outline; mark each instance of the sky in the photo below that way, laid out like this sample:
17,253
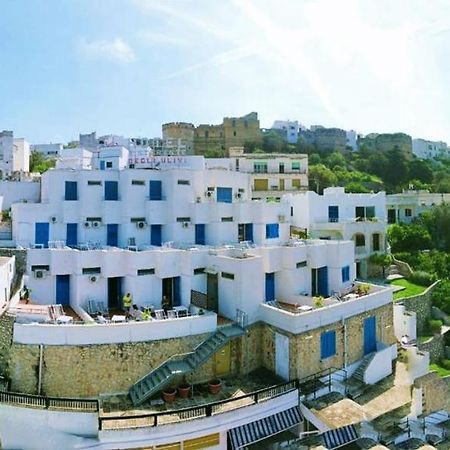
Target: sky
127,66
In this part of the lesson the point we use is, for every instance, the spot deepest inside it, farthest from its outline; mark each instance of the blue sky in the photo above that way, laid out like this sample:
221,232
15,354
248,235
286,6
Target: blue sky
127,66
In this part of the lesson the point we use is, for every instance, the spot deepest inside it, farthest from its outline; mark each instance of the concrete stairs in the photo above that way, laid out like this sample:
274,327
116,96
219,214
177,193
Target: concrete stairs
159,378
361,370
393,273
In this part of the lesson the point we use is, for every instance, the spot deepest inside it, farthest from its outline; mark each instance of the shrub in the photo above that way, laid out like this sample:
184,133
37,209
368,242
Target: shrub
445,363
422,278
435,326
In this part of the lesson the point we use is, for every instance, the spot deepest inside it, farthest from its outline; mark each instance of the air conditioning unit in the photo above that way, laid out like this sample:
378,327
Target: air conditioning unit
87,224
96,224
281,218
39,274
53,219
141,225
93,278
185,224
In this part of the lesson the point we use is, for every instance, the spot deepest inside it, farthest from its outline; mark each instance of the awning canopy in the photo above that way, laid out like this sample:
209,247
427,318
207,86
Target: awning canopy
340,436
256,431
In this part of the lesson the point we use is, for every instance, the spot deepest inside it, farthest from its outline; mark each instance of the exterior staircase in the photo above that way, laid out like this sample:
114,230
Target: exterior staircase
361,370
160,377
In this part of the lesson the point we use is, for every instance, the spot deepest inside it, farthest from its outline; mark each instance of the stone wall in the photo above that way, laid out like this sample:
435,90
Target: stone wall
436,392
6,334
435,347
403,267
421,305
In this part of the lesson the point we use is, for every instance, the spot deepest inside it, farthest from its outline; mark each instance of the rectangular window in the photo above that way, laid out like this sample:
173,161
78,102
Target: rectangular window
142,272
260,167
296,183
345,274
93,219
370,212
40,267
227,219
228,276
111,190
71,190
199,271
301,264
109,164
72,234
90,270
333,214
224,195
364,212
94,183
138,182
184,182
183,219
408,212
295,165
155,190
272,230
327,344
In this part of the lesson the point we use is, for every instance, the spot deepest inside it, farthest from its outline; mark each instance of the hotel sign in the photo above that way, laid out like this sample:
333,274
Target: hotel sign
144,160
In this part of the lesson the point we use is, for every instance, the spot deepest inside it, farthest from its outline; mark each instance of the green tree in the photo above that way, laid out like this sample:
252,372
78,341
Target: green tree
321,177
437,222
38,162
409,237
420,170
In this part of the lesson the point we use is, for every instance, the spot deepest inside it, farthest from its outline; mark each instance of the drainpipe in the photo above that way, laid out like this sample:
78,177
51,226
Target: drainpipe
344,325
41,363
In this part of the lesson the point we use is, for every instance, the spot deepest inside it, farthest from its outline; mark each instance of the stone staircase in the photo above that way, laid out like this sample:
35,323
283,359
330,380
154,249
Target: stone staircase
361,370
160,377
393,273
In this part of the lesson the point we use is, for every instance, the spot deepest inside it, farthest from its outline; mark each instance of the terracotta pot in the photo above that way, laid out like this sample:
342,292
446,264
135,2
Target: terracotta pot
214,386
169,395
183,390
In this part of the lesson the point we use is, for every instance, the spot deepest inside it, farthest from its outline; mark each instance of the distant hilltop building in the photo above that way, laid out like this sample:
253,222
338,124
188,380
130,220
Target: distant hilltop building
14,154
387,141
233,132
424,149
330,139
47,150
289,129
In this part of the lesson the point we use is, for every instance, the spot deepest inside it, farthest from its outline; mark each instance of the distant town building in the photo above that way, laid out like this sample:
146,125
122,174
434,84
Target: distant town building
424,149
289,129
388,141
14,154
352,140
47,150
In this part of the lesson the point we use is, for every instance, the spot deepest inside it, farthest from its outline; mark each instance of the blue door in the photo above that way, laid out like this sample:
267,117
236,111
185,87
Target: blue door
200,233
112,234
42,233
71,191
176,291
102,165
270,287
156,235
249,232
72,235
333,214
155,190
111,190
370,335
63,289
224,195
322,281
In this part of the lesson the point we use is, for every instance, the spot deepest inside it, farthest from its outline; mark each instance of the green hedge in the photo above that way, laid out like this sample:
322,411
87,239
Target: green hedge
435,326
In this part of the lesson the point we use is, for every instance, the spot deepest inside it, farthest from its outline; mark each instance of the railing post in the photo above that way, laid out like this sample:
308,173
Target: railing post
47,402
155,420
256,397
100,424
208,410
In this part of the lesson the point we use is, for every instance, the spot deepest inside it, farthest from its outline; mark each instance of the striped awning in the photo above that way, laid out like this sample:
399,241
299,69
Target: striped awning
256,431
340,436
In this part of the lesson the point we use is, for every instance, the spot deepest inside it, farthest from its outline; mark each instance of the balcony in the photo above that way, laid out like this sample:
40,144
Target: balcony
303,313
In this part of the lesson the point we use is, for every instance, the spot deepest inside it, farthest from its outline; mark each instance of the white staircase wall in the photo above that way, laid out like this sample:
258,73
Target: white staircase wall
418,362
379,367
404,322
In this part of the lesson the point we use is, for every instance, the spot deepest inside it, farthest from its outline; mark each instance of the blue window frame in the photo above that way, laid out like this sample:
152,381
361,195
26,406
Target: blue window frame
270,287
370,335
200,234
102,165
42,233
63,289
249,232
112,234
72,234
156,235
224,195
333,214
155,192
327,344
71,190
345,274
272,230
111,190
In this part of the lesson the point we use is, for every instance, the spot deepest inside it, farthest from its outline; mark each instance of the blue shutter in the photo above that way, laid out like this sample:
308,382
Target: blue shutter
102,165
327,344
112,234
370,335
176,291
272,230
345,274
72,234
156,235
333,214
270,287
322,281
111,190
224,195
42,233
200,233
63,289
249,232
71,190
155,190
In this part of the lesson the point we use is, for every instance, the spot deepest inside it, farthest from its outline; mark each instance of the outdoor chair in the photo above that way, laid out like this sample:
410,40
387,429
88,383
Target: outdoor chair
171,314
159,314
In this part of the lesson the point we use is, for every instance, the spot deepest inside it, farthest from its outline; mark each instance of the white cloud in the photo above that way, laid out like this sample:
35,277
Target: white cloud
116,50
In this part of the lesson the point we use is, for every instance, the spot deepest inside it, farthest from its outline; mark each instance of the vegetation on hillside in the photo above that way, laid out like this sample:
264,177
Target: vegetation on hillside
38,162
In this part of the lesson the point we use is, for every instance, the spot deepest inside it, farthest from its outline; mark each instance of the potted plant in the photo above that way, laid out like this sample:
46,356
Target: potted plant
214,386
169,395
319,301
184,389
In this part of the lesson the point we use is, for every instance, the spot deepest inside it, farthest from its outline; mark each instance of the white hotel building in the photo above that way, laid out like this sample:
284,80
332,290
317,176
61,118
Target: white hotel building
239,296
